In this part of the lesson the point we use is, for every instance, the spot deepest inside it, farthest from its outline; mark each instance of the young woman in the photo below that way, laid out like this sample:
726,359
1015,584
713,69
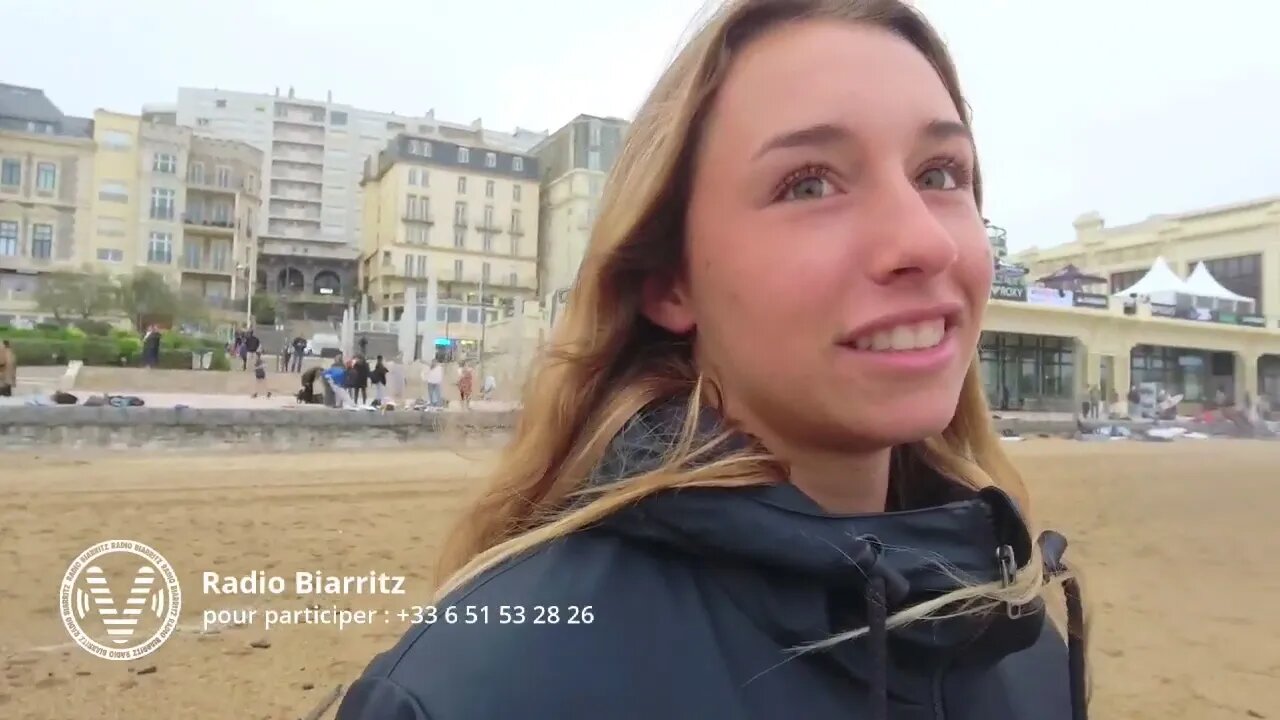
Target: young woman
755,477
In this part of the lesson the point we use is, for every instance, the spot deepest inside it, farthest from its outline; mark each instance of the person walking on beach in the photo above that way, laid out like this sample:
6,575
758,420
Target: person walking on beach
260,376
378,378
434,378
360,380
720,536
252,345
8,369
299,351
151,347
466,383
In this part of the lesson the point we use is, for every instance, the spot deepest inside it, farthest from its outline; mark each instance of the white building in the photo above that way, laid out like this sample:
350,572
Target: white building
314,152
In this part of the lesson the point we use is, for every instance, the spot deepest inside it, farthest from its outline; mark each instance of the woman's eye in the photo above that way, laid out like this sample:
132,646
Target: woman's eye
937,179
810,188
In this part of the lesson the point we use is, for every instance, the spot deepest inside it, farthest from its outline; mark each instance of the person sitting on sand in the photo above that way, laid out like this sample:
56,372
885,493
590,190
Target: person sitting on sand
683,528
307,394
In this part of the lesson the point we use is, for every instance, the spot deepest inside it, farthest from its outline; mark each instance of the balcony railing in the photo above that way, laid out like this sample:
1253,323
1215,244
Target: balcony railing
427,219
460,221
218,264
488,226
205,223
516,230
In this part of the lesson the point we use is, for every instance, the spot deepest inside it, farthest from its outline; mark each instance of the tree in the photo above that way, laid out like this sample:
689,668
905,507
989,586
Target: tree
76,294
147,298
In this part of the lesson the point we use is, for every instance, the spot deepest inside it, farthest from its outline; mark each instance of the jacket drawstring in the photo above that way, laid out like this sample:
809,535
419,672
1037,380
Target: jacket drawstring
877,615
1052,547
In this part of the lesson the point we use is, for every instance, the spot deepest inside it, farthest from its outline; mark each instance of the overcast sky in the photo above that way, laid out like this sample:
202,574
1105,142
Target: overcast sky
1127,107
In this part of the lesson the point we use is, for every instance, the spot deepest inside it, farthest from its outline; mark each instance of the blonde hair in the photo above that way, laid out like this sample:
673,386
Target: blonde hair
605,362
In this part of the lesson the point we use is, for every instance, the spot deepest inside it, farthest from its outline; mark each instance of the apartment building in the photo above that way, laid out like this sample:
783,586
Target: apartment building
46,168
313,161
177,202
466,213
575,161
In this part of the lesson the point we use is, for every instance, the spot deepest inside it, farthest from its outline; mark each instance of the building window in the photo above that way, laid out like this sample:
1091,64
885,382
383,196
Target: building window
594,130
593,160
113,191
490,160
224,176
8,238
386,258
165,163
515,193
426,149
408,266
484,272
488,188
488,218
462,185
111,255
514,279
222,214
517,164
422,266
515,221
1124,280
116,140
160,248
424,180
515,244
196,173
459,237
460,214
41,241
413,176
191,254
464,155
10,172
46,176
337,117
457,269
162,204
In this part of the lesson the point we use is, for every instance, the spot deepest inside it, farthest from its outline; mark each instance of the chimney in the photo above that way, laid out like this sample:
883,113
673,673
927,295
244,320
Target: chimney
290,92
277,91
329,96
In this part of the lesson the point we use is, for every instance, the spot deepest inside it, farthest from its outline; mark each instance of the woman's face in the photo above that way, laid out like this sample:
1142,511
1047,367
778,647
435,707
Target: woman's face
838,267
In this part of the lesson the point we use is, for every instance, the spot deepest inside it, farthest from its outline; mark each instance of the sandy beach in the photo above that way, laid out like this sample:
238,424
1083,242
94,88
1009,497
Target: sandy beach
1177,542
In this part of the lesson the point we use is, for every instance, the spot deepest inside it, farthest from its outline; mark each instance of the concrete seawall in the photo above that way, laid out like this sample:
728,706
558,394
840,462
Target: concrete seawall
74,427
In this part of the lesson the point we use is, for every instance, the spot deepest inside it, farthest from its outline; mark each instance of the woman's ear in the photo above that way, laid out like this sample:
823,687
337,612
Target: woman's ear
666,303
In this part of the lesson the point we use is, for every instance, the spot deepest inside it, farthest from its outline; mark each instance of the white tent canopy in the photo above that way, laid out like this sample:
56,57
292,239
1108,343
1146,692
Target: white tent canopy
1161,284
1202,284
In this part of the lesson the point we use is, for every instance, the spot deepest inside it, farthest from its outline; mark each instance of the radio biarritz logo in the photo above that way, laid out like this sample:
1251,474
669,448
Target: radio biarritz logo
120,600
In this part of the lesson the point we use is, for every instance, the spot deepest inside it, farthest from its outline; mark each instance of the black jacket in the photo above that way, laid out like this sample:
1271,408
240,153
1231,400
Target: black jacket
685,606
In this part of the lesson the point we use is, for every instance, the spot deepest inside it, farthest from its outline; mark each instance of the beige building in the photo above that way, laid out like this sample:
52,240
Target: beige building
1045,346
575,161
176,202
1239,244
46,172
460,211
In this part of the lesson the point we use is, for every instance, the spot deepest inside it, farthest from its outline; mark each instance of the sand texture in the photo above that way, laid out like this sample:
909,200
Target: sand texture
1178,542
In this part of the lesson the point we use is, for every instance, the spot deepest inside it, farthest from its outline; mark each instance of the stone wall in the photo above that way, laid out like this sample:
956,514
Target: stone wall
75,427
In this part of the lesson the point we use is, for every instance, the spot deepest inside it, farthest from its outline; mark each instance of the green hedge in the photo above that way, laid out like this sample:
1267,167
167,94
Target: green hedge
57,346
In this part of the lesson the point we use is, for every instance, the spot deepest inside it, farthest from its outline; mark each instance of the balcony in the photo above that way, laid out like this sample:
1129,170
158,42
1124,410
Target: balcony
299,115
460,221
286,193
298,175
284,152
210,185
208,226
302,138
294,214
488,226
427,219
516,231
293,233
207,264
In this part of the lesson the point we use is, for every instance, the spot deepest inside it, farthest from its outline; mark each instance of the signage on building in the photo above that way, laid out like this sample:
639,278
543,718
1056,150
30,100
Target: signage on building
1001,291
1253,320
1049,296
1164,310
1090,300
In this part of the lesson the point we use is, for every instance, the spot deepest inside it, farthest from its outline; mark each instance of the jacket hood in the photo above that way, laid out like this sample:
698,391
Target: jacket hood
801,572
